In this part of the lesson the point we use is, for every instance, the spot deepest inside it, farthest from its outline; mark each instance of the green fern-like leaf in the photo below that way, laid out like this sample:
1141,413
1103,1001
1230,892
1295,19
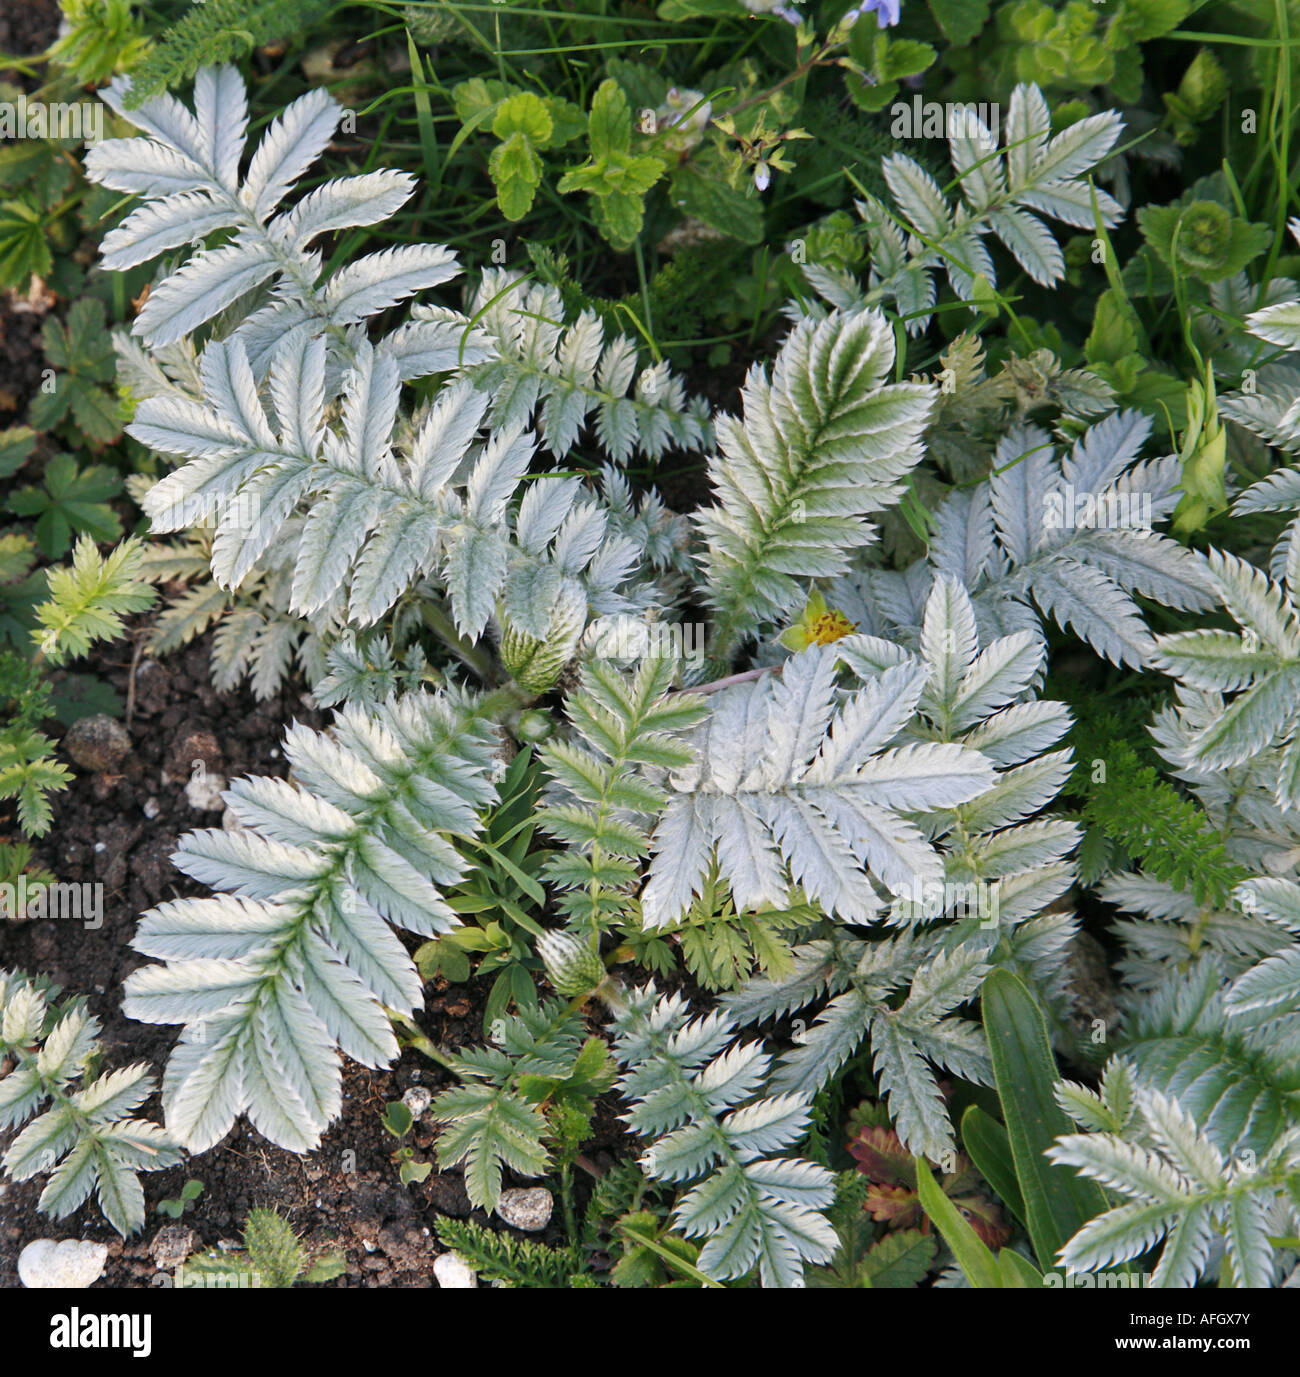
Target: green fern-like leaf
513,1262
298,959
623,726
89,598
85,1138
1163,830
821,443
493,1119
897,1261
29,774
273,1249
218,31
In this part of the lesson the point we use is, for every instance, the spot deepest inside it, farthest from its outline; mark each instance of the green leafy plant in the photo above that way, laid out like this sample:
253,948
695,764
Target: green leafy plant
15,864
272,1258
101,37
398,1120
1151,820
88,600
526,125
24,246
720,946
516,1095
175,1208
510,1261
499,900
882,63
77,399
890,1196
83,1135
1073,47
982,1268
614,177
1055,1206
897,1261
70,502
797,746
217,31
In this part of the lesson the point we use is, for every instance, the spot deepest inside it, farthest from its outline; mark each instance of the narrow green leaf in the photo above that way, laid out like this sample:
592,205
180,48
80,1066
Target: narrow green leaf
988,1146
1018,1273
972,1254
1057,1203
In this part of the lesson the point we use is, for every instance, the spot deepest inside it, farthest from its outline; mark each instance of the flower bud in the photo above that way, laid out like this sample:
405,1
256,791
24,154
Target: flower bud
536,663
572,967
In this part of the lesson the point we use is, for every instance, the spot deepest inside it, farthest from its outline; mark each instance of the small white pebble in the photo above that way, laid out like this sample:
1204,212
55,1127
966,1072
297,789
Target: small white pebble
454,1273
417,1099
100,848
204,792
70,1265
151,809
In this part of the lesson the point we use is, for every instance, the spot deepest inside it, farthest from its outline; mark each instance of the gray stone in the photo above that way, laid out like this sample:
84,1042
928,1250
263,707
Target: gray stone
527,1209
171,1246
100,743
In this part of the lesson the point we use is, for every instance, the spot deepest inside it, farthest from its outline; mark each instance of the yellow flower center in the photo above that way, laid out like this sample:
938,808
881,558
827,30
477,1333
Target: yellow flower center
830,626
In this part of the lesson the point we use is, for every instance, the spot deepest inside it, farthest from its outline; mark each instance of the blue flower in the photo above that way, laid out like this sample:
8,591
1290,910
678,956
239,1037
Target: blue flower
886,11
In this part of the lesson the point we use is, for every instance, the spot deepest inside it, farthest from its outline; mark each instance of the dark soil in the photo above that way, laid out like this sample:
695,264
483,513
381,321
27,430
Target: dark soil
21,357
27,27
347,1194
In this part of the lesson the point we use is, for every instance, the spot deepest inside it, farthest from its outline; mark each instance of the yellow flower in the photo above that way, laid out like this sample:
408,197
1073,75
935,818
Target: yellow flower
817,625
